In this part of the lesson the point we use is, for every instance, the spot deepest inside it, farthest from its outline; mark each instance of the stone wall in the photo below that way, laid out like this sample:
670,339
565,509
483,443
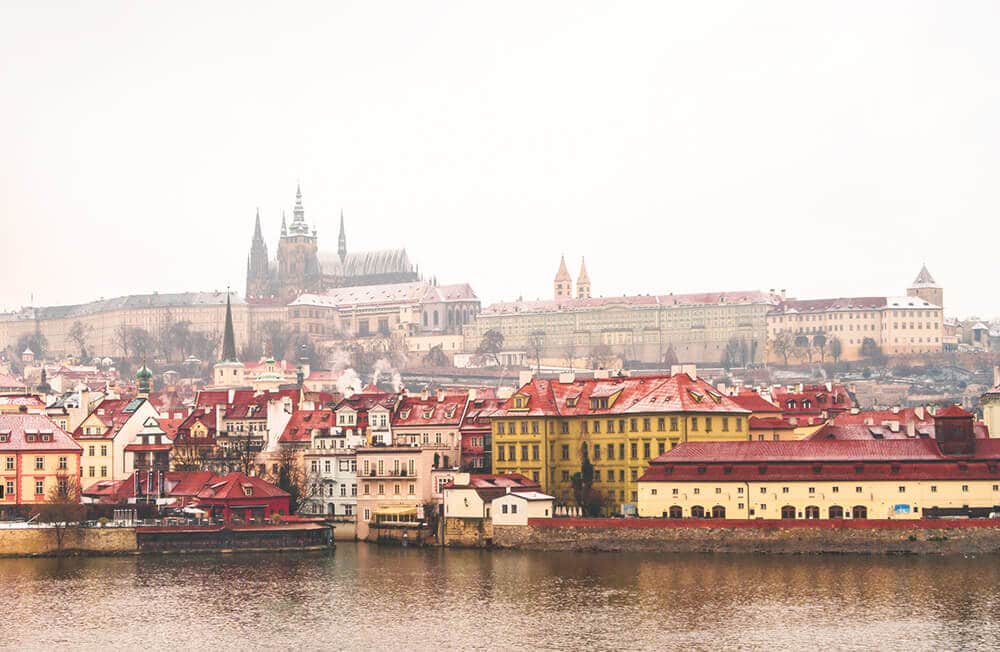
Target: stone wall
468,532
23,542
770,537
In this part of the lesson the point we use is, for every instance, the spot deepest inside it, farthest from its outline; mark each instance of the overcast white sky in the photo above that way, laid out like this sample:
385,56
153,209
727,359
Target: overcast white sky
828,149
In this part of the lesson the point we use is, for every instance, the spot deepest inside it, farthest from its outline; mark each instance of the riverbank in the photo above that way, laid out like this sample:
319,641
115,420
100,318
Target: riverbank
870,537
111,541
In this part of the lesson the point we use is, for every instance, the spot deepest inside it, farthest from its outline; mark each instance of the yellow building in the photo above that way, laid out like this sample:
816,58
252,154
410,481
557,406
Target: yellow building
991,405
952,474
36,455
548,427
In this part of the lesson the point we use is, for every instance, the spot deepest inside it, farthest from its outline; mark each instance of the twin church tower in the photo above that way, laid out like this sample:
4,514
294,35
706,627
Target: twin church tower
564,282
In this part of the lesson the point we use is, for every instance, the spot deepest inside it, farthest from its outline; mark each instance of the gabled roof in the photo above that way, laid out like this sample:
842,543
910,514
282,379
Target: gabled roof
924,279
30,432
751,400
302,423
113,413
417,411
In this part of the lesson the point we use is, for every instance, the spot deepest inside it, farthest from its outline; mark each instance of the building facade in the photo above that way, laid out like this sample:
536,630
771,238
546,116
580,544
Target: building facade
36,456
548,429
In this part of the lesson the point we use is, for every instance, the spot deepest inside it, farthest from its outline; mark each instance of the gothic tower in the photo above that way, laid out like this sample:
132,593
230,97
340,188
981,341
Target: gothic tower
298,262
563,281
583,282
258,280
926,288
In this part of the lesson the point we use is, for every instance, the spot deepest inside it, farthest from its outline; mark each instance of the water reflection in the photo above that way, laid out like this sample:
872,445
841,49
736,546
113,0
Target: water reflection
391,598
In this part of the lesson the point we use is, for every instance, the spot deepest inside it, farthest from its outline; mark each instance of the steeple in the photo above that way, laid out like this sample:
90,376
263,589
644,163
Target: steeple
924,278
583,282
299,226
926,288
342,240
284,226
257,235
563,281
229,337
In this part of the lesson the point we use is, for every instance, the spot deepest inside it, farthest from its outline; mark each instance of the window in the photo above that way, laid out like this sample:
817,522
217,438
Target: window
611,426
633,424
812,490
395,489
524,452
565,476
652,492
354,490
784,490
104,451
725,424
104,471
634,450
933,488
645,450
534,452
661,424
534,427
343,490
857,490
10,464
902,489
500,454
611,451
10,487
39,463
675,491
367,490
661,447
697,490
646,424
534,476
39,487
597,427
381,489
510,452
694,423
965,487
90,450
503,509
564,451
708,424
597,475
513,509
835,489
500,428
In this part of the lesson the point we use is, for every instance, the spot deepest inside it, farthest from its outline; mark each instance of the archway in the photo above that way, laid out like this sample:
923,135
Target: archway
676,511
836,511
697,512
787,512
718,512
812,511
859,511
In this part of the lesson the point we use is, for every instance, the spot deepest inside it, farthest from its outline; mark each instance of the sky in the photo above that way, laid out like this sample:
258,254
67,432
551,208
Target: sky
828,149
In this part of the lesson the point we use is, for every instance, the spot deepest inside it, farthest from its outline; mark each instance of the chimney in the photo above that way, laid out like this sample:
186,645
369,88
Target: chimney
911,429
919,412
567,378
829,386
424,395
472,393
440,394
232,395
218,418
601,374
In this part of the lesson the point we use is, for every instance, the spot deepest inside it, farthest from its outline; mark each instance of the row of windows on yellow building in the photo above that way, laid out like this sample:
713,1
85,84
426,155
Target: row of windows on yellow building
550,450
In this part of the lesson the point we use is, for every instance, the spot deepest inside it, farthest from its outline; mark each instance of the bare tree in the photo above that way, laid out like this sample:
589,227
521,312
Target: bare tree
435,357
290,477
783,344
62,509
819,343
121,338
490,346
569,353
78,333
836,349
600,356
536,344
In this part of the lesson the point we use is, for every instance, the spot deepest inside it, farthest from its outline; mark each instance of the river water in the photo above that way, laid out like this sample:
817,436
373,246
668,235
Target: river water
369,597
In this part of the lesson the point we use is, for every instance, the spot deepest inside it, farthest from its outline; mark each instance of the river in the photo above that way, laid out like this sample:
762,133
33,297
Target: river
369,597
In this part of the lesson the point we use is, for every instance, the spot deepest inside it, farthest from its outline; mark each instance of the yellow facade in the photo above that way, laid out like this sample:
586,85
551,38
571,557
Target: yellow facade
27,476
765,500
549,449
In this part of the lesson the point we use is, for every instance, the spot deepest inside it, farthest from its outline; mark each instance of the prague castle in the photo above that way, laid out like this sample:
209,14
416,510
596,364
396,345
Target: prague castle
300,266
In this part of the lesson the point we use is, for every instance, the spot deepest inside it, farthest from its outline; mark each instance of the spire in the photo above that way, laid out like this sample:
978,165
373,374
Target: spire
299,214
583,282
257,236
563,273
284,226
583,278
342,240
924,278
229,337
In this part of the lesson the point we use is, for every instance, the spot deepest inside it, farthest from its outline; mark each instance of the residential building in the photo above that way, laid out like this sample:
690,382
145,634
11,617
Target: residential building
108,429
951,473
36,456
368,415
435,420
231,498
150,451
991,405
548,428
477,433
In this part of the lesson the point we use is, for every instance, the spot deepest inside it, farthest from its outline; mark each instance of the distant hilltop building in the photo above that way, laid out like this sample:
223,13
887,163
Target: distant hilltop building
864,326
301,267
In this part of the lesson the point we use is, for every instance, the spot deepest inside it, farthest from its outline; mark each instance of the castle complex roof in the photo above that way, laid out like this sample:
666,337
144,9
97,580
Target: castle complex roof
924,279
132,302
665,300
366,263
389,293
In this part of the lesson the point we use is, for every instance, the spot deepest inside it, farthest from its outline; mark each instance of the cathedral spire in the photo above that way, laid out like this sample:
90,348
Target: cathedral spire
299,214
563,281
229,337
284,226
342,240
583,282
257,235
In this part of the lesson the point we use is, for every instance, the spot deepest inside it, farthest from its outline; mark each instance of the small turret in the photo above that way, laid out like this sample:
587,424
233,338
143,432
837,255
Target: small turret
342,240
144,380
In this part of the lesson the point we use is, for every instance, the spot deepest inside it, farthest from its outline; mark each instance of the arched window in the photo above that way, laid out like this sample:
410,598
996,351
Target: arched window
676,511
859,511
787,512
697,512
836,511
812,511
436,320
718,512
425,319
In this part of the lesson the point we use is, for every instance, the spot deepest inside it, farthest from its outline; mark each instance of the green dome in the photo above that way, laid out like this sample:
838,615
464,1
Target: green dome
144,373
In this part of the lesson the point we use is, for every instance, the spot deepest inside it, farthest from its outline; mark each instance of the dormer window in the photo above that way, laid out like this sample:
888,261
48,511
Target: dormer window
247,491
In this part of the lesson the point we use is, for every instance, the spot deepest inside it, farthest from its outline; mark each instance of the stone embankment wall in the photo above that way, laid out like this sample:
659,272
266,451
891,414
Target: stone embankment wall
468,532
765,537
24,542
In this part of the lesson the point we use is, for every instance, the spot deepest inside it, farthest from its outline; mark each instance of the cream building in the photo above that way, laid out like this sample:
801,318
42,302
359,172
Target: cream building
644,327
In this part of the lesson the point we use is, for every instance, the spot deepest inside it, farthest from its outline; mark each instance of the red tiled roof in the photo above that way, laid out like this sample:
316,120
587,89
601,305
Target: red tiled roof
771,423
417,411
10,382
303,422
703,298
817,450
113,413
881,417
952,412
826,305
492,486
820,399
232,486
18,428
202,485
627,395
751,400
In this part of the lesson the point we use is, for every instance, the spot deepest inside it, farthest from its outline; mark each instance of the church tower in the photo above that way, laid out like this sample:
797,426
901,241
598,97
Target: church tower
228,372
926,288
258,281
583,282
298,262
563,281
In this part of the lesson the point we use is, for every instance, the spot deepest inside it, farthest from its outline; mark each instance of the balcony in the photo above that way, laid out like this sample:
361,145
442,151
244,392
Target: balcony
402,473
